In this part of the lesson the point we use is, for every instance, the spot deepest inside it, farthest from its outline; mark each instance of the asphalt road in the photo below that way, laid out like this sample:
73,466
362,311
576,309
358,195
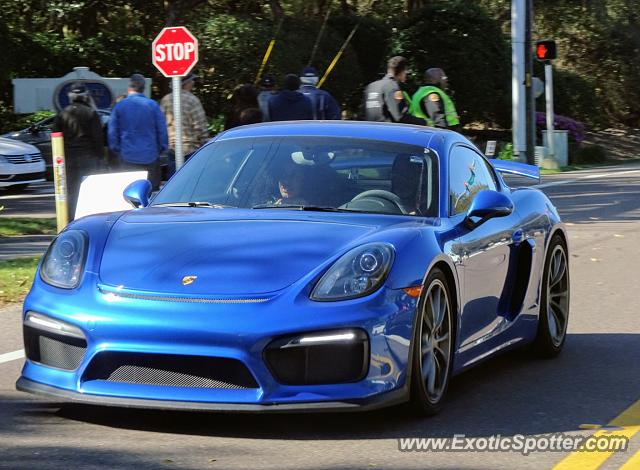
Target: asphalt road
594,380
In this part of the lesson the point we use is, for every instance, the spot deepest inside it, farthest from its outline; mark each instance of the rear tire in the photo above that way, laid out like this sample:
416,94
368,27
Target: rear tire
554,301
432,346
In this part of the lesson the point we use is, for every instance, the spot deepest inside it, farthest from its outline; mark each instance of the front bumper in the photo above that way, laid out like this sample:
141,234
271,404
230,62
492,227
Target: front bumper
366,404
26,173
239,332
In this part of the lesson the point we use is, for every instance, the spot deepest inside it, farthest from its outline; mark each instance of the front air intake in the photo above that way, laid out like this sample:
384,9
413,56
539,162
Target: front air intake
170,371
53,350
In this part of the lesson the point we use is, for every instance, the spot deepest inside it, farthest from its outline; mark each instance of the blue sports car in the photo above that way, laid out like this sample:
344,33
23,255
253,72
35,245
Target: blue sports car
301,266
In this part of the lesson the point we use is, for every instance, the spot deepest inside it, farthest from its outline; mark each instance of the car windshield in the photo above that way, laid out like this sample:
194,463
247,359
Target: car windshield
307,173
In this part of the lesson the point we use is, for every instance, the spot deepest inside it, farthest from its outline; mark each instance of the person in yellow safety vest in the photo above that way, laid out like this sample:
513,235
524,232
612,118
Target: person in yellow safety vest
433,104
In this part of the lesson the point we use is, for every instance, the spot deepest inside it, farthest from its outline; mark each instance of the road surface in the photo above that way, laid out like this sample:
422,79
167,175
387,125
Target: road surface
595,379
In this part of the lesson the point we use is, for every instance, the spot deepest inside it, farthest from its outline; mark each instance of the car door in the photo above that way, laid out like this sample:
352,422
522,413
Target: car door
483,254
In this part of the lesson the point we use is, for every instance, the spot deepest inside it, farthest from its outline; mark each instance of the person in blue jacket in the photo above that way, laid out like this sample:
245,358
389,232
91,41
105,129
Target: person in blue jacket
138,132
324,105
290,104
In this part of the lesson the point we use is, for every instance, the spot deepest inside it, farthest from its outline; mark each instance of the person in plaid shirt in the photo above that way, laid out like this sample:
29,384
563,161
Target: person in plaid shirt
194,120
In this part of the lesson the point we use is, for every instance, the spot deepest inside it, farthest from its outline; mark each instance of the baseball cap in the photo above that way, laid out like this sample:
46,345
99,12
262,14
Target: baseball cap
309,72
189,78
267,81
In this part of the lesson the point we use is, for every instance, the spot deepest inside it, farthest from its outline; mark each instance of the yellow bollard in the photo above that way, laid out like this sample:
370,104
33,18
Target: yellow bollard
59,180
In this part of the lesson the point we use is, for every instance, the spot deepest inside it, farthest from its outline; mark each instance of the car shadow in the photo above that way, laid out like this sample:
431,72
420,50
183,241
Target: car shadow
595,378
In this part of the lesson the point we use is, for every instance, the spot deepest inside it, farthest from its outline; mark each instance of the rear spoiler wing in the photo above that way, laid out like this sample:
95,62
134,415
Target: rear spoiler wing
516,168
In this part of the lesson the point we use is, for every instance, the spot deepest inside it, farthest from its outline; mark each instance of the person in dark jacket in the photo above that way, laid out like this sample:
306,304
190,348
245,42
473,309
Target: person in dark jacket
384,99
83,140
290,104
138,132
324,104
244,98
267,90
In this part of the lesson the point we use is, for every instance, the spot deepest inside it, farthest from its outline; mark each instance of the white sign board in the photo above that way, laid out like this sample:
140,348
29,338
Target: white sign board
103,193
37,94
491,148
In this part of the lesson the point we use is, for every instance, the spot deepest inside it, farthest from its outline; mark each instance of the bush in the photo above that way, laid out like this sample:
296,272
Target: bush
232,48
587,154
469,45
575,128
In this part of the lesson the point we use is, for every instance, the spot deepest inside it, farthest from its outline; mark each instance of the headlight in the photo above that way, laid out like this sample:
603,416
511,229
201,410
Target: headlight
64,262
3,159
359,272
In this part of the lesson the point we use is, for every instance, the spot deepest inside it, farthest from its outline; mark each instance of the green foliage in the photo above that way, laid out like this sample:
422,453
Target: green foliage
596,73
506,152
232,48
469,45
12,226
16,277
587,154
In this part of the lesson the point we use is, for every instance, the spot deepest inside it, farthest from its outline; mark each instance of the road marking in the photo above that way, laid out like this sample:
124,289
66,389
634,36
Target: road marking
26,196
628,424
588,177
633,463
12,356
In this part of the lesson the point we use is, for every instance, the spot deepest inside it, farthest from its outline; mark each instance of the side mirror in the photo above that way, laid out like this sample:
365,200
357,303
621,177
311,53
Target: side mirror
34,129
137,193
486,205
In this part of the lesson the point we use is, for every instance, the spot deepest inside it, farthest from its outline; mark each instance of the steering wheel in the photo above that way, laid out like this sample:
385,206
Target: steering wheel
387,196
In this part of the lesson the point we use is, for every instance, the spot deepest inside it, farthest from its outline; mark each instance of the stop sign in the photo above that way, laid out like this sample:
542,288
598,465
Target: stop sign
175,51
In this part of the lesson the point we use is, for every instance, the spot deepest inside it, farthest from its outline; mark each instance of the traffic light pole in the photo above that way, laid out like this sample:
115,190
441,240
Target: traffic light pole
176,84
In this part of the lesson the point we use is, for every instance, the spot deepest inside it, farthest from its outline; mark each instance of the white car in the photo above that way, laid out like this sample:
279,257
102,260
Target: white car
20,164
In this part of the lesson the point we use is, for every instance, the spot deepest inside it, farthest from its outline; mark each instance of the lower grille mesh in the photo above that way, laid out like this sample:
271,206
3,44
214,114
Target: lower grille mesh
170,371
53,350
56,353
149,376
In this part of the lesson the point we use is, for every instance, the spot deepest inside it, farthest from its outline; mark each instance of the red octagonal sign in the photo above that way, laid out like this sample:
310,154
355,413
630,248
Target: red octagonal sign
175,51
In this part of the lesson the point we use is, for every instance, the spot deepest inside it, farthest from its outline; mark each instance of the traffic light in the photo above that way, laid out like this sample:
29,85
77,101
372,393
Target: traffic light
546,50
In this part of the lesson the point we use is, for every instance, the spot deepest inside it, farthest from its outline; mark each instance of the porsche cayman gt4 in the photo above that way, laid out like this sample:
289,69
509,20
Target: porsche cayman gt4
301,266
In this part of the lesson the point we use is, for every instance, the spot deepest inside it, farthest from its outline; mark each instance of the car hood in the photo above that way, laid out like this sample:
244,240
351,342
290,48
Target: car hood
231,252
15,147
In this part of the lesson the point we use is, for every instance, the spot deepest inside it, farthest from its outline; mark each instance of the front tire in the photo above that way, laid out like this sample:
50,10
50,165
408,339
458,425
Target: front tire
433,346
554,304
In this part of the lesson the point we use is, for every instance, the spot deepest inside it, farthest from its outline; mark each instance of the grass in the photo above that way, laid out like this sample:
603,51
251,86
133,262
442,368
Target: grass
12,226
15,279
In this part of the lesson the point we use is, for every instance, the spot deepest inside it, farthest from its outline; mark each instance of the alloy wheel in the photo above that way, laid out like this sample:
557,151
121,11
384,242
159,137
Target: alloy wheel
435,341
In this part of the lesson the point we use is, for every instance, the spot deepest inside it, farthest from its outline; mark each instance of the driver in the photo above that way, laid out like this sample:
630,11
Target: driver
405,182
292,183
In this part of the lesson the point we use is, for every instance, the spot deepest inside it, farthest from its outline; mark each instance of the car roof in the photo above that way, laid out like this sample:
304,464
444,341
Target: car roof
383,131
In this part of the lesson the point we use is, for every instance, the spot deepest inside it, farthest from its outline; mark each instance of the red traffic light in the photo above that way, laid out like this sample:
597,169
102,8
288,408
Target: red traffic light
546,50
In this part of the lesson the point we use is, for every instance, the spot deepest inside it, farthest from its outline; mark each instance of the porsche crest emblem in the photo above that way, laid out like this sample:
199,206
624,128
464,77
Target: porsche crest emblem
189,280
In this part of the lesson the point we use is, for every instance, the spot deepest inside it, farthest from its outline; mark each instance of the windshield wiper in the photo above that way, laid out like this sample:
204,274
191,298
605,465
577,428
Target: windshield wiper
193,204
300,207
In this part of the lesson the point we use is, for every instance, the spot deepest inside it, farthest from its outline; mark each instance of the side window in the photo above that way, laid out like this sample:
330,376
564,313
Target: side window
468,175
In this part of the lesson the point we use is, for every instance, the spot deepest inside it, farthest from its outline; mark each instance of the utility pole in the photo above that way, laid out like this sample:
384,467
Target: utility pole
518,110
528,82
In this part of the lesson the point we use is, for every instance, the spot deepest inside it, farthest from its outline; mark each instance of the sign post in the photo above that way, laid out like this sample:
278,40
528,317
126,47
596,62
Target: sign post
59,180
174,52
